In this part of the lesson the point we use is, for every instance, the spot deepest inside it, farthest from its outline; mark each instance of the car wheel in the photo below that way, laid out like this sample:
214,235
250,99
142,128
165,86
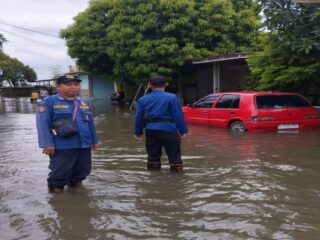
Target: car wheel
237,126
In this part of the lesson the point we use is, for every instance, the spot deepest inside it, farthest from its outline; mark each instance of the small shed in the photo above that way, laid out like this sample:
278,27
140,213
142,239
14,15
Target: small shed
215,74
93,86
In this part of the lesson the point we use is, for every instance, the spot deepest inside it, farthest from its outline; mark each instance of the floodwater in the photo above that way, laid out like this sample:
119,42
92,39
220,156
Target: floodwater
234,186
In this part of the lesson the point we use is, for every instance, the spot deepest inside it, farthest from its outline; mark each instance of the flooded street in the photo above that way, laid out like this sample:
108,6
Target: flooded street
247,186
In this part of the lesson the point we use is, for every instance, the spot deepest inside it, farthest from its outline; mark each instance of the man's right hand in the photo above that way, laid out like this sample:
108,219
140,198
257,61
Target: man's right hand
138,137
48,150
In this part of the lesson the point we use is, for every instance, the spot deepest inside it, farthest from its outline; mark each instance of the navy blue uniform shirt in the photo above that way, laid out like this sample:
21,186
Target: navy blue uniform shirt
160,105
56,106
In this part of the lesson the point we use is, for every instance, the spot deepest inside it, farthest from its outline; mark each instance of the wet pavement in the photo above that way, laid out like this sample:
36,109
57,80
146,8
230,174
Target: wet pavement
234,186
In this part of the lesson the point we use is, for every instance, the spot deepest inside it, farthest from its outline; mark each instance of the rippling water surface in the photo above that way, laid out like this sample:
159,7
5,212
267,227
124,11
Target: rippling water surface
248,186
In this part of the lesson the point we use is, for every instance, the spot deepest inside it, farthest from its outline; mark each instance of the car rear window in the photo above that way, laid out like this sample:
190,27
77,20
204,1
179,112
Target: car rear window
281,101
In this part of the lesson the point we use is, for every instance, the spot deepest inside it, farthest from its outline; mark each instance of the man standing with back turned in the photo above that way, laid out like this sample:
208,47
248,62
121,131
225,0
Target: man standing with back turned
165,125
66,133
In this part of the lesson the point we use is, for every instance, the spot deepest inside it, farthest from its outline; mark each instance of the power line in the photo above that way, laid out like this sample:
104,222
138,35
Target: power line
32,40
30,30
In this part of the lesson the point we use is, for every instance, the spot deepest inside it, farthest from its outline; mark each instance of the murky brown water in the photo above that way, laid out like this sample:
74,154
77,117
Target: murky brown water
249,186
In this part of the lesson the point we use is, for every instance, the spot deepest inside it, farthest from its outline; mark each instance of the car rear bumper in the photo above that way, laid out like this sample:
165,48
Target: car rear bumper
274,125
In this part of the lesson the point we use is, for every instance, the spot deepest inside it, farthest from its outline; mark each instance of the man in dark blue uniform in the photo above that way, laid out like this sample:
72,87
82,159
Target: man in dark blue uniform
66,133
164,124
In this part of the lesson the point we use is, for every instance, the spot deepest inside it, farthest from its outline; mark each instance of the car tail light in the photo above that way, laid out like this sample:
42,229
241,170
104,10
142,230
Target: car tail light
309,116
261,118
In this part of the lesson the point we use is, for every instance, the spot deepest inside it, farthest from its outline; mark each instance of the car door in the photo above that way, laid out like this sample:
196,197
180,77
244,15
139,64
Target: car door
226,108
198,112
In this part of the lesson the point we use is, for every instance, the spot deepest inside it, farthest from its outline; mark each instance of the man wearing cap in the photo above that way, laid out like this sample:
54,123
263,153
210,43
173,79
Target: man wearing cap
165,125
66,133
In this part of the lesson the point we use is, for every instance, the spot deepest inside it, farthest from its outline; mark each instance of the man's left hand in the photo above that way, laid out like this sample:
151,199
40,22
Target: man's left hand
182,136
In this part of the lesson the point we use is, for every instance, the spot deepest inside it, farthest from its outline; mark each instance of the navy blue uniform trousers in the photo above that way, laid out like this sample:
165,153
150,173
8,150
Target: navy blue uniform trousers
68,166
156,139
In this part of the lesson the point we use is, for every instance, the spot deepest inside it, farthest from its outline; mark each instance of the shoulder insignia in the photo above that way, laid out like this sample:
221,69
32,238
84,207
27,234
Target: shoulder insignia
83,104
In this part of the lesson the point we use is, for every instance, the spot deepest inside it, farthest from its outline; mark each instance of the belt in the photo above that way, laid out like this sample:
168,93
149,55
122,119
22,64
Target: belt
159,120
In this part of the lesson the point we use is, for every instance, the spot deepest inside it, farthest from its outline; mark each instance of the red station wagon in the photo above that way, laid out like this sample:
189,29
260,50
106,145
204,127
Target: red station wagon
241,111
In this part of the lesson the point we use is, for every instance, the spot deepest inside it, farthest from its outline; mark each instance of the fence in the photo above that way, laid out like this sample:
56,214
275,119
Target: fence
16,92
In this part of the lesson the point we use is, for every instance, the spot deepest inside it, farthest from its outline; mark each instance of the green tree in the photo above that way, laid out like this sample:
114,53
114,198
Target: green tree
2,40
86,38
134,39
15,71
290,60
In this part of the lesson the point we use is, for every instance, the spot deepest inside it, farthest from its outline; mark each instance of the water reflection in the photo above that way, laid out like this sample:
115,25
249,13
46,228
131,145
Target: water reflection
73,215
235,186
16,105
163,204
258,177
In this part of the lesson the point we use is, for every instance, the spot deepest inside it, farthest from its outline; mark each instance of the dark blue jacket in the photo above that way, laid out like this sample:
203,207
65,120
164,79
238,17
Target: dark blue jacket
160,105
55,107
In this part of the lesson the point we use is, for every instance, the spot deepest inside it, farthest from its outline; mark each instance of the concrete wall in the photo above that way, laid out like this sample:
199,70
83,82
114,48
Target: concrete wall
85,86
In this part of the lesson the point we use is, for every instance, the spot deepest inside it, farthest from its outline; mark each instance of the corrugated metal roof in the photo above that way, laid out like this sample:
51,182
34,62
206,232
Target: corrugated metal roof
221,58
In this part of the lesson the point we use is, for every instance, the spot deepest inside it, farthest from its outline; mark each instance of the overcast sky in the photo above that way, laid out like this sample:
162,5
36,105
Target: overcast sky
40,52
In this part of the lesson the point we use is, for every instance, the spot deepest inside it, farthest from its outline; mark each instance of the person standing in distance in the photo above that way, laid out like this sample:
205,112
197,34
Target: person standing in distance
164,125
66,133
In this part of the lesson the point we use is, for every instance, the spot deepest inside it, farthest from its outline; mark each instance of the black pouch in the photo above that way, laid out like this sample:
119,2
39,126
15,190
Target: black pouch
64,127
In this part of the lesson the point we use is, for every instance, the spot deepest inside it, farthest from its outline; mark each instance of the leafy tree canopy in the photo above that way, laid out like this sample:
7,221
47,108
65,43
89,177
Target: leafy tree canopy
133,39
290,60
2,40
15,71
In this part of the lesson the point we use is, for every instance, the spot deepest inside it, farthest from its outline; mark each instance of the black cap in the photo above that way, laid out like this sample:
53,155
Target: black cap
158,81
67,78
